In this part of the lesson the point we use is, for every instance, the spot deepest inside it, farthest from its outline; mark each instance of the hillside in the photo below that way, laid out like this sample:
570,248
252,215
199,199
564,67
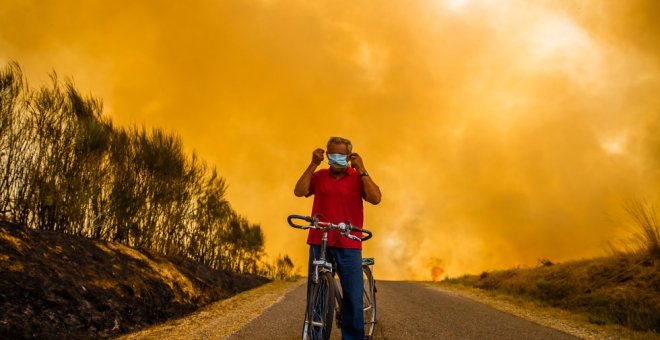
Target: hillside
622,289
57,285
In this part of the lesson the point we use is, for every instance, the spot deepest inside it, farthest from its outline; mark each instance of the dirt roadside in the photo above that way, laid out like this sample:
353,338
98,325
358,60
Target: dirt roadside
556,318
223,318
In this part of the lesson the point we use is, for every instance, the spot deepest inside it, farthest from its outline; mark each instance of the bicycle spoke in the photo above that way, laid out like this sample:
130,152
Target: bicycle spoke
319,321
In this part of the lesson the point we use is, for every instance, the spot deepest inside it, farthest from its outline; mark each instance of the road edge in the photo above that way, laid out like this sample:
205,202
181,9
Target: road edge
223,318
555,318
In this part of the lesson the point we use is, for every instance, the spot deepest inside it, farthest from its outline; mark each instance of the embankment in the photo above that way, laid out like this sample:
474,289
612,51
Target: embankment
54,285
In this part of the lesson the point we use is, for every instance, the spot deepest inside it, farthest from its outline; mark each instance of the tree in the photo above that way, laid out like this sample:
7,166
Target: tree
66,167
283,267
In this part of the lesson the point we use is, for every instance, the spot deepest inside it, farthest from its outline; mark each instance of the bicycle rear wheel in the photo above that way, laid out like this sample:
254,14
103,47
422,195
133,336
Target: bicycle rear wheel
320,309
369,302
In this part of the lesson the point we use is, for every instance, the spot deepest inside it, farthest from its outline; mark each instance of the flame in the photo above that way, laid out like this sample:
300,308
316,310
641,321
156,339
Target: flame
436,271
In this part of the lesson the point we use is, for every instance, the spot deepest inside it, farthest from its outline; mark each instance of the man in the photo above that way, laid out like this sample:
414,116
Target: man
338,194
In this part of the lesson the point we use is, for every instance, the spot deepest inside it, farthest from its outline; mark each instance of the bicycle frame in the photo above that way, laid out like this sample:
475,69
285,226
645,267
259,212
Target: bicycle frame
323,266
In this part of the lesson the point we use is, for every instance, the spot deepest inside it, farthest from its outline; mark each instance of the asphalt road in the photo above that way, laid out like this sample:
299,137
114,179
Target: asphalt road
406,310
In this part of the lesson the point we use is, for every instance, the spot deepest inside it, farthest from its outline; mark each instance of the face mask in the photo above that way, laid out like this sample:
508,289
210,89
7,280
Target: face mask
337,160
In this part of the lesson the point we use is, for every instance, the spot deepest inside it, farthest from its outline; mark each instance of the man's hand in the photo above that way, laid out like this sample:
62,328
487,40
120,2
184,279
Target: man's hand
371,190
317,156
303,185
356,163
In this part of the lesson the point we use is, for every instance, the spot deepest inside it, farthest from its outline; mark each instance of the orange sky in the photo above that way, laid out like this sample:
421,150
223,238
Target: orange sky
500,132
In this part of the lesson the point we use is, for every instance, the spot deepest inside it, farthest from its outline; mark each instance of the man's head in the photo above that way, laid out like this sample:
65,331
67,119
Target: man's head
338,151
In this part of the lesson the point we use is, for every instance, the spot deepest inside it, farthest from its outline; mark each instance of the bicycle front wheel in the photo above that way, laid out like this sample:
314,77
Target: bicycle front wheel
369,302
320,309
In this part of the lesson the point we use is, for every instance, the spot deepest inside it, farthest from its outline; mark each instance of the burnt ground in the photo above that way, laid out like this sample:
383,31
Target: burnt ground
54,285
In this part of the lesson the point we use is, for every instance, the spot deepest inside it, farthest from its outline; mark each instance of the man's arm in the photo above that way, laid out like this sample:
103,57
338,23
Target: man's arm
371,190
302,186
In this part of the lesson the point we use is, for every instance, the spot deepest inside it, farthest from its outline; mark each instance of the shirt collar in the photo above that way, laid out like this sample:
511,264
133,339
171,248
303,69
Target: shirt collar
348,172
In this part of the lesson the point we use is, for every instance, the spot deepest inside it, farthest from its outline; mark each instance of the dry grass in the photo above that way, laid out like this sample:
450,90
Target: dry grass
576,324
623,289
647,236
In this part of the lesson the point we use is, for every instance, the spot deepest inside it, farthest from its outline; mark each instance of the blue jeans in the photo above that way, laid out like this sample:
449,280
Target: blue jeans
349,268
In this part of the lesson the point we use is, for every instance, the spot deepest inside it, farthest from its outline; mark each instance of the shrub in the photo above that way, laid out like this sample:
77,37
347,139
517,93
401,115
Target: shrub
645,218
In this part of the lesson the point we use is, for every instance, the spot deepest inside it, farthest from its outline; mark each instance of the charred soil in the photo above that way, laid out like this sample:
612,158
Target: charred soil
54,285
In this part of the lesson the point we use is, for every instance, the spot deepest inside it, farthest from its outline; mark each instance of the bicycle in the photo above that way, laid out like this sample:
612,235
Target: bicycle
325,298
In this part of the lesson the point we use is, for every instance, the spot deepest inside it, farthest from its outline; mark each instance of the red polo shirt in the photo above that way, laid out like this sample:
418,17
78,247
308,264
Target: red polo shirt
337,199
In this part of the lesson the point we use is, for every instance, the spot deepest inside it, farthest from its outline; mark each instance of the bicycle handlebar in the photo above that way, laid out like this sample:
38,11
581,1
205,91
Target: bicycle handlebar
299,217
344,228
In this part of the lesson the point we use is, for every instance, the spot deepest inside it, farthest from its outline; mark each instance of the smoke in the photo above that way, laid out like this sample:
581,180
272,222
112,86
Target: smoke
499,132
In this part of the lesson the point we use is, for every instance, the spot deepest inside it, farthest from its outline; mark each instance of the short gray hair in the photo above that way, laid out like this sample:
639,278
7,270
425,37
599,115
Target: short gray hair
341,140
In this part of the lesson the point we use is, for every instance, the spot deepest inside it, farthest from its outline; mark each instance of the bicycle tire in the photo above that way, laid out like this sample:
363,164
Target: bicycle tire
320,309
369,302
